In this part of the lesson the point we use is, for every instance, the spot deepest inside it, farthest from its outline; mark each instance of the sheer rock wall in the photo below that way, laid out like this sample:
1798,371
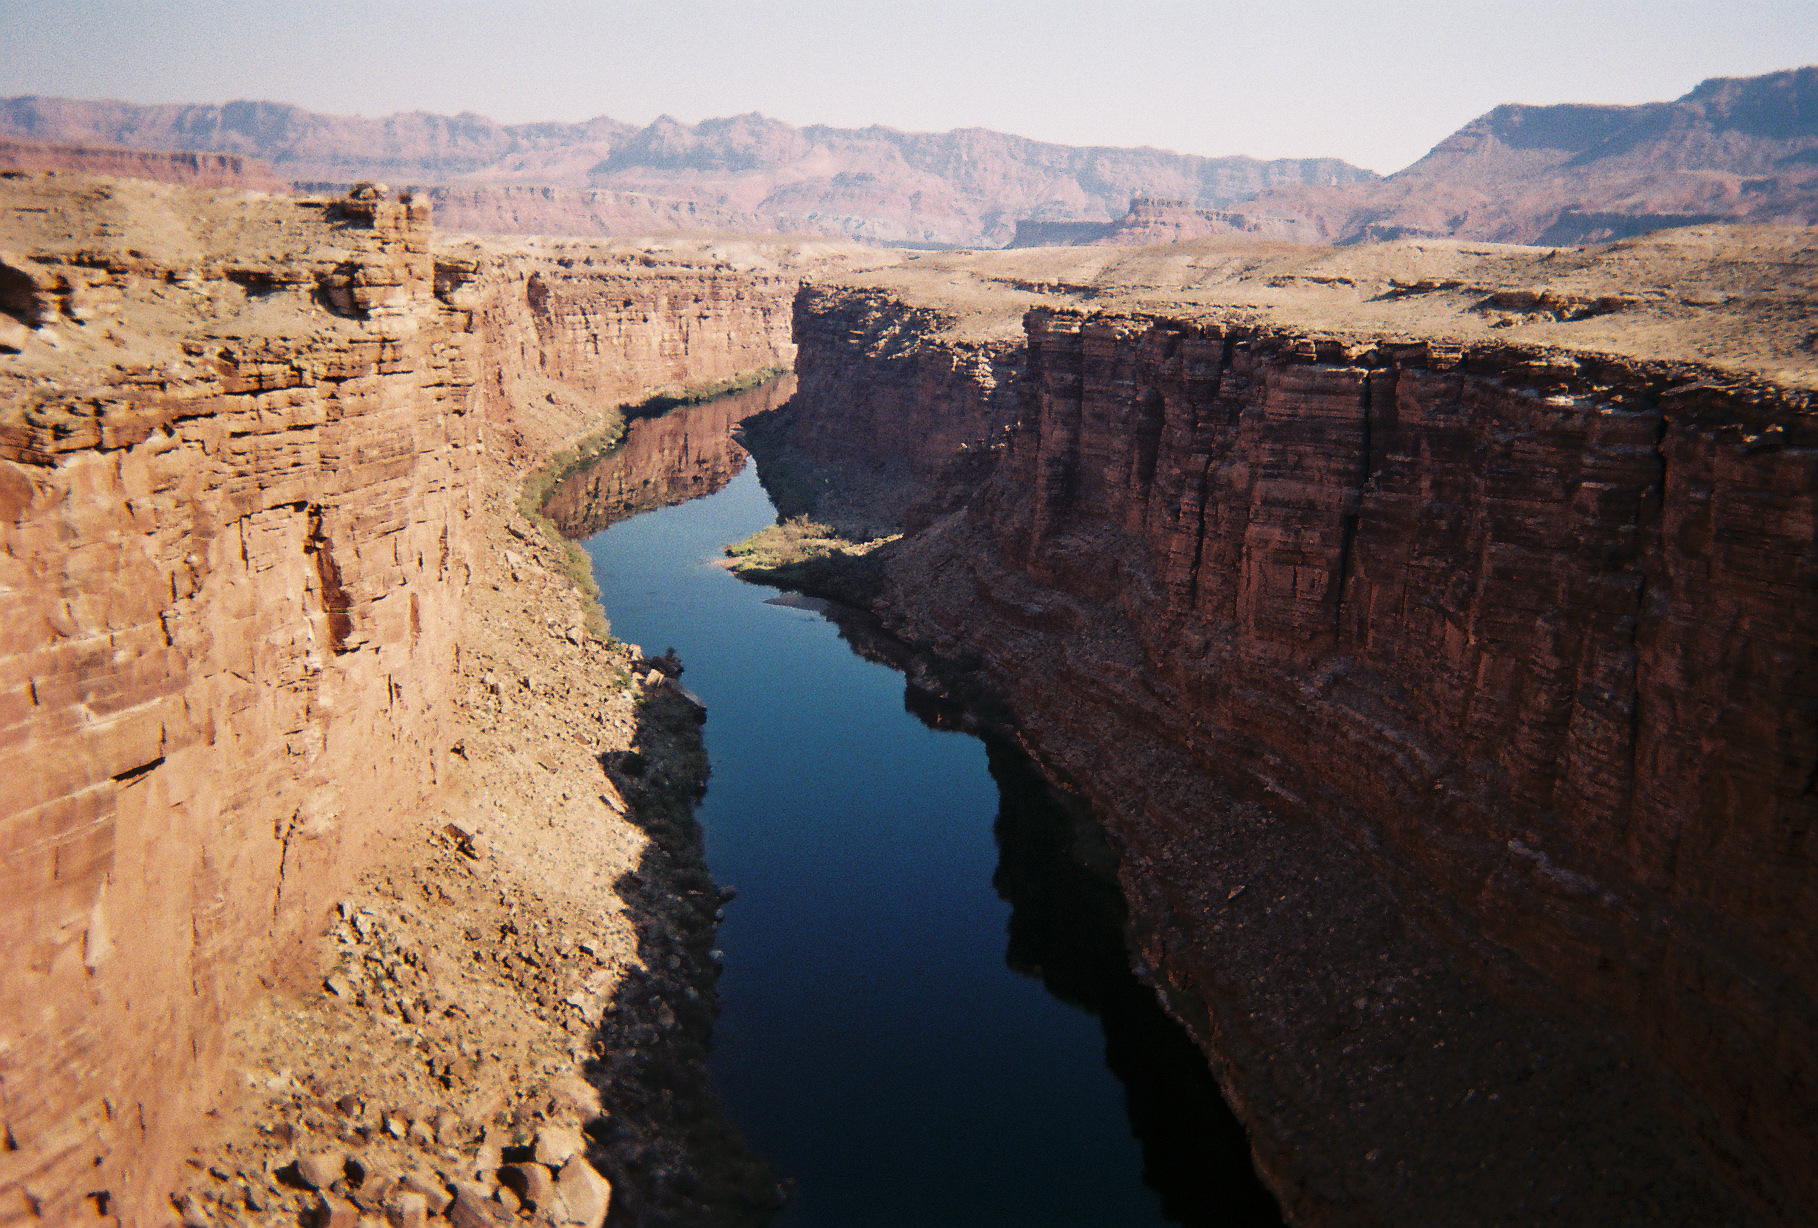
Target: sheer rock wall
231,587
1403,674
240,476
567,331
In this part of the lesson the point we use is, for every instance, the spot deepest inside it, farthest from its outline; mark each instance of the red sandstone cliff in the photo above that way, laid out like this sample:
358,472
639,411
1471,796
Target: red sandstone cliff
232,567
241,496
1451,704
576,329
682,454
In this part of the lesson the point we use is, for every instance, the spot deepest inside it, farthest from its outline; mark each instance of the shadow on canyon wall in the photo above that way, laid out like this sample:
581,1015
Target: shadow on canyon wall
665,1143
1057,872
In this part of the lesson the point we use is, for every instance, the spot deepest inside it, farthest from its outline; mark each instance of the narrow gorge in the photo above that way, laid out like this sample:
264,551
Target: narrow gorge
1431,628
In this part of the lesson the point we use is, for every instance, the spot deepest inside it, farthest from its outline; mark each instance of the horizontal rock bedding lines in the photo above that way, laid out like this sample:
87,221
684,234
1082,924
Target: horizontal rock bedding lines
241,450
204,559
1529,633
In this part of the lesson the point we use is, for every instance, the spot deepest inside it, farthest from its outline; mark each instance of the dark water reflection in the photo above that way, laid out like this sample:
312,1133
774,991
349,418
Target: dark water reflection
683,454
1066,928
877,1042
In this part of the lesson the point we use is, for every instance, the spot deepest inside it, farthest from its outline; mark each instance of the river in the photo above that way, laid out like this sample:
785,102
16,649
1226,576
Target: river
926,1015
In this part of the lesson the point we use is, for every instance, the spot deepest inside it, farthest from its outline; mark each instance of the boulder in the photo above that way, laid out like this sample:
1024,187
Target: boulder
407,1211
556,1143
586,1194
534,1187
437,1197
321,1169
333,1212
473,1207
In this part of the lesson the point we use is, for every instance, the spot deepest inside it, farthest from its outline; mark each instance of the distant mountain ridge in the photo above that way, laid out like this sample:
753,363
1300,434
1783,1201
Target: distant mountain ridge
1733,149
965,187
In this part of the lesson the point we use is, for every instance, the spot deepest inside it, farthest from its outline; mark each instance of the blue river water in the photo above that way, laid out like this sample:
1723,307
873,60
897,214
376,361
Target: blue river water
875,1044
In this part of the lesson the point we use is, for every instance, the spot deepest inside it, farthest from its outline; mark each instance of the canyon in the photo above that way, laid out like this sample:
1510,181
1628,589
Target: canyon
1430,625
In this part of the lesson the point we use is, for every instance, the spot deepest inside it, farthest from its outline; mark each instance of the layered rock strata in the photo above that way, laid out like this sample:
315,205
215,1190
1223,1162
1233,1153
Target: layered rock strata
231,581
193,167
241,487
1450,702
683,454
571,329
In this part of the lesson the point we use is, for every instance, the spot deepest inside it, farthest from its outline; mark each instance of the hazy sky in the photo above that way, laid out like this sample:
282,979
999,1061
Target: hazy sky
1376,84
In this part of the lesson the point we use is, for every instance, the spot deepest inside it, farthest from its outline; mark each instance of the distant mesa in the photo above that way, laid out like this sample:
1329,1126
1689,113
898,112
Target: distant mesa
1741,149
1154,219
192,167
964,188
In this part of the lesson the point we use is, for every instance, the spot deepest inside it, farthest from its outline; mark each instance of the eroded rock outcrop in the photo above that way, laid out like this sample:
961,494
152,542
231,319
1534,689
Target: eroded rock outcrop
1449,700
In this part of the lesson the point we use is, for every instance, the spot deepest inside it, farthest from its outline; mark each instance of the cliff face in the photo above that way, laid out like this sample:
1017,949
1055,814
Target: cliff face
203,170
231,578
684,454
240,504
883,424
1451,704
565,332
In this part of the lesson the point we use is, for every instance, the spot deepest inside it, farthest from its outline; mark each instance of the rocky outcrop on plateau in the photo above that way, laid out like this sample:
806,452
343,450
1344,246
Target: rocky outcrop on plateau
1444,686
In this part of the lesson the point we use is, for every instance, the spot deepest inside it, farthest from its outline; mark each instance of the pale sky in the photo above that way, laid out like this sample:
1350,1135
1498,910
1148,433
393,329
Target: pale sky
1375,84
